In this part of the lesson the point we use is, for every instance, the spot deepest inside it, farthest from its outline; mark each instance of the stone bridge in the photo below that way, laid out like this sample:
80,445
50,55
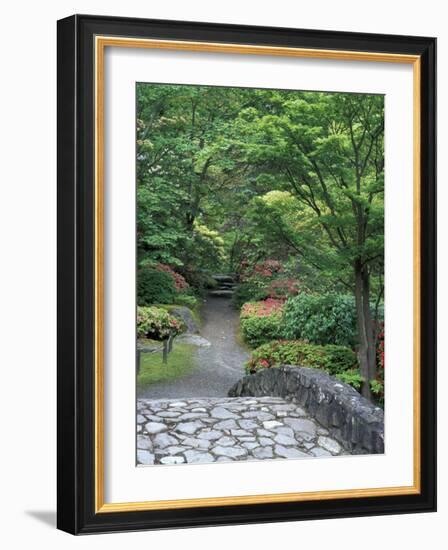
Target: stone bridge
285,412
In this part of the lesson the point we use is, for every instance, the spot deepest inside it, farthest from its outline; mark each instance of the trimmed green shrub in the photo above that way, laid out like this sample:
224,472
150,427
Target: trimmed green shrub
331,358
155,287
261,322
156,323
323,319
259,330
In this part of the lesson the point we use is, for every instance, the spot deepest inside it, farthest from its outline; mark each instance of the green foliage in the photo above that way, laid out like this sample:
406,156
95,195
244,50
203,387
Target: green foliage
250,291
156,323
204,253
154,287
227,175
321,319
153,370
195,310
210,283
182,160
259,330
259,326
377,387
187,300
261,322
331,358
160,232
351,377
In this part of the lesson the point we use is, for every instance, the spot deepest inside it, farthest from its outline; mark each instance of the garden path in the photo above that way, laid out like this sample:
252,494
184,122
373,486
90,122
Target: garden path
218,366
227,429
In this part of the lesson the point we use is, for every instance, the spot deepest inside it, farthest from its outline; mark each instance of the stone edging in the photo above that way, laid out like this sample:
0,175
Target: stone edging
350,418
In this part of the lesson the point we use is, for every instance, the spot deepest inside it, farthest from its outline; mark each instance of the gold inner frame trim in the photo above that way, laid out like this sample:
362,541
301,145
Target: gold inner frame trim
101,42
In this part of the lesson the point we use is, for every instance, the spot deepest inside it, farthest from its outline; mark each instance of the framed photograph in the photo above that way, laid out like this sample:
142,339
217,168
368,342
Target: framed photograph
246,271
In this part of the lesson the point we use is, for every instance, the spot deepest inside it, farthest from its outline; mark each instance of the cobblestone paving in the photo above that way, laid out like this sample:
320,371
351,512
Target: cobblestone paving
228,429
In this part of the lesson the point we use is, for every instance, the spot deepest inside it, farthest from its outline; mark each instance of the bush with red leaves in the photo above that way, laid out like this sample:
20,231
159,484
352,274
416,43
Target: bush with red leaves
180,284
264,308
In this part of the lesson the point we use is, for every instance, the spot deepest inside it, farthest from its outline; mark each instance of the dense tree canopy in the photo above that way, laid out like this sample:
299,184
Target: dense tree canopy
228,176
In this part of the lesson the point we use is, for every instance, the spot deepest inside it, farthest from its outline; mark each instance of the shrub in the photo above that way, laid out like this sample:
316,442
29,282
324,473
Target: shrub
323,319
259,330
156,323
377,386
352,377
154,287
261,322
180,284
263,280
331,358
248,292
209,282
264,308
186,300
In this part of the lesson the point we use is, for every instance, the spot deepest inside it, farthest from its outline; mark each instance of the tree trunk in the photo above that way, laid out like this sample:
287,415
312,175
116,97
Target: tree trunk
137,362
366,352
165,352
369,323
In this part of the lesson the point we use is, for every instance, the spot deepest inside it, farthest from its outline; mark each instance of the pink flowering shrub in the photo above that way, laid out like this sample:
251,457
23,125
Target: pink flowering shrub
156,323
180,284
264,308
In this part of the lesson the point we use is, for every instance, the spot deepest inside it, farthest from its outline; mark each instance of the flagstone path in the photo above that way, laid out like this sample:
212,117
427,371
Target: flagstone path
202,430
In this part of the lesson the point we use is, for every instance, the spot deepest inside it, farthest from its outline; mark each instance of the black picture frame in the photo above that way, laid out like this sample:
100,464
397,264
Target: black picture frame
76,289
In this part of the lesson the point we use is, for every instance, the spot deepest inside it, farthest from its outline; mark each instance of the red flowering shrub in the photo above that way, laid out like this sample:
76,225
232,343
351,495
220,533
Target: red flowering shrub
265,308
180,284
377,386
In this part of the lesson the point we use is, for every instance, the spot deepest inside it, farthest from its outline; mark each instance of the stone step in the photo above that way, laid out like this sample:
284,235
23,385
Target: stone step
226,285
221,293
220,278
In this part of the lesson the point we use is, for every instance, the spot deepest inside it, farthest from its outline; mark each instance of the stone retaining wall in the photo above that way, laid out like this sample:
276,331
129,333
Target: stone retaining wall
350,418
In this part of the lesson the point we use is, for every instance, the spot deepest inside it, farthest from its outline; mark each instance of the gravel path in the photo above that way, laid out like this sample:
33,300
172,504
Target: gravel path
219,365
228,429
